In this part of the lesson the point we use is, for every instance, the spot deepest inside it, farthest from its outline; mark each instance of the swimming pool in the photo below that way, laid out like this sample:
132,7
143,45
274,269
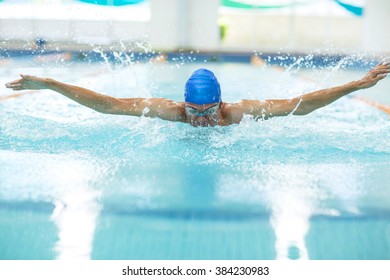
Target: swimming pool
76,184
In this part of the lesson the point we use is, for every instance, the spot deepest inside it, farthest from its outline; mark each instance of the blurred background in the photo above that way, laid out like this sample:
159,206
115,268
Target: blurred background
341,26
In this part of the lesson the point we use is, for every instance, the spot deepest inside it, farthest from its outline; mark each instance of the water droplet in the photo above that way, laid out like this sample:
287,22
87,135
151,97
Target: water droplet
293,253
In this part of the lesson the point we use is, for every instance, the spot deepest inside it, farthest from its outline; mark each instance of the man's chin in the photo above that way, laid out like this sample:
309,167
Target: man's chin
202,124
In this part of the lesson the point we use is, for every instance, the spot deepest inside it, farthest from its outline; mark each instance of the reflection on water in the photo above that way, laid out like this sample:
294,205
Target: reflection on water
67,182
292,197
293,194
76,214
296,193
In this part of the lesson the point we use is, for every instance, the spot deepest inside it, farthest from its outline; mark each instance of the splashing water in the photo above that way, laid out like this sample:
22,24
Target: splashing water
328,164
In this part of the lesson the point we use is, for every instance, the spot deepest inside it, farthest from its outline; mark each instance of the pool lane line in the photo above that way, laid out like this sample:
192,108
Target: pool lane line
257,61
377,105
16,95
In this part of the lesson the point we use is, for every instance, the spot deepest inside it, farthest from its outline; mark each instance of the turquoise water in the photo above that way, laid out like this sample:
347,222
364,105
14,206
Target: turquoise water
76,184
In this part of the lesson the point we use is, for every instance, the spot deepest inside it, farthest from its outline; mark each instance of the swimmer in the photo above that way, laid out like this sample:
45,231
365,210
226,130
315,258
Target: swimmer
203,105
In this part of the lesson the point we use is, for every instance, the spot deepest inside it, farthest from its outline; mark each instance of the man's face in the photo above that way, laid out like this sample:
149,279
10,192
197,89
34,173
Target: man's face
202,115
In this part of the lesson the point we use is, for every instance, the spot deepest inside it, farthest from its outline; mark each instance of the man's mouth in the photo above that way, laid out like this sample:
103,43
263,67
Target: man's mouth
202,124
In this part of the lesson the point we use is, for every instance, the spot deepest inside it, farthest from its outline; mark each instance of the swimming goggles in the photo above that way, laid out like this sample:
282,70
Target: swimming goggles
209,111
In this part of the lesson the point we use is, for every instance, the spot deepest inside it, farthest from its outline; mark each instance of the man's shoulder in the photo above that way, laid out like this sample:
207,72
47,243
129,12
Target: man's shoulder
231,112
234,112
167,109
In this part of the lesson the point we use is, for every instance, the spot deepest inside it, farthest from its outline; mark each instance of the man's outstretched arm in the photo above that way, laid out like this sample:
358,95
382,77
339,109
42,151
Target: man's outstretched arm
307,103
150,107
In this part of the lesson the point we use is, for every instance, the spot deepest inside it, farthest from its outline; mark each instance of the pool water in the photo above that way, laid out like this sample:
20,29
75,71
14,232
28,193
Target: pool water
76,184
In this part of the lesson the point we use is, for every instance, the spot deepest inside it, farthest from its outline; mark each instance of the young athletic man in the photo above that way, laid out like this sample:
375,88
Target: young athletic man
202,104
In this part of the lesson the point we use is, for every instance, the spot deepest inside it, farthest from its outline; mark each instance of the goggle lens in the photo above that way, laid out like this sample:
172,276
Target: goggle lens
209,111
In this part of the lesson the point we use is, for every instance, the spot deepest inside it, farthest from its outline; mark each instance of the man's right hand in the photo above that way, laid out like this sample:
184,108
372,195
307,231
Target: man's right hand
28,82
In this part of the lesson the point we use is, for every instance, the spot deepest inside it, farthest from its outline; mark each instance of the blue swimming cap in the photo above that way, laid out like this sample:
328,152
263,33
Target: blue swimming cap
202,88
